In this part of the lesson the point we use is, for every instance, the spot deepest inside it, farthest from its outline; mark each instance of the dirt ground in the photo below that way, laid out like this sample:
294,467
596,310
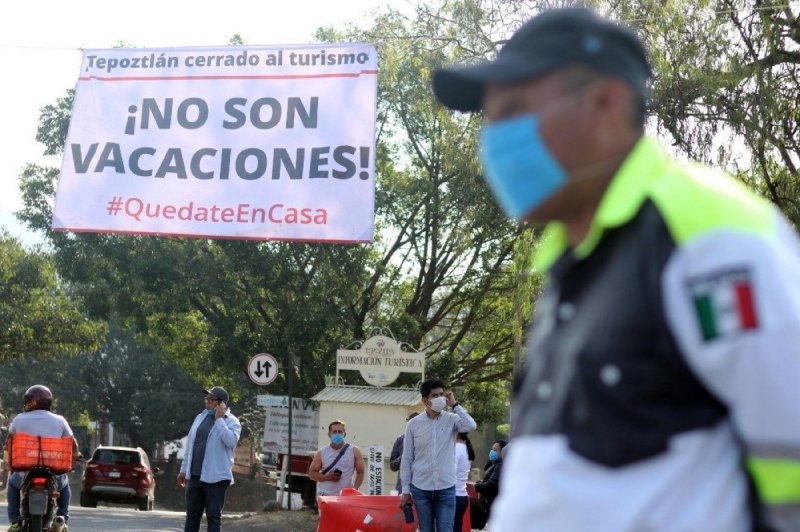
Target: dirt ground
305,520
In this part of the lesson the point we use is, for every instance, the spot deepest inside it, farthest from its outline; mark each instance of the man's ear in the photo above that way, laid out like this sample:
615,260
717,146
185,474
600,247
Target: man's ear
609,113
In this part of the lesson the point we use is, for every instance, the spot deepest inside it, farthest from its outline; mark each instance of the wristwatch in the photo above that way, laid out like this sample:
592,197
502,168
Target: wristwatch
455,405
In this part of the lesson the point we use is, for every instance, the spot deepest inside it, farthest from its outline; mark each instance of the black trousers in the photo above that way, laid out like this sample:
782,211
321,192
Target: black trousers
208,497
462,503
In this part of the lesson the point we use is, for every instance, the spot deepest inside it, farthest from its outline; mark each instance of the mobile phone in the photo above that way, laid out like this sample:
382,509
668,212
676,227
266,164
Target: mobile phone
223,405
409,513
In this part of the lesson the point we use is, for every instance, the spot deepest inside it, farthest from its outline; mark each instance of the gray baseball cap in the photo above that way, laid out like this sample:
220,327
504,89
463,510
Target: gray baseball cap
219,392
552,39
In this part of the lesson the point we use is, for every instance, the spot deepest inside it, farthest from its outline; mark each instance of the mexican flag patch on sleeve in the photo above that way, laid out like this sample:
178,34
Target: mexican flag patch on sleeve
724,303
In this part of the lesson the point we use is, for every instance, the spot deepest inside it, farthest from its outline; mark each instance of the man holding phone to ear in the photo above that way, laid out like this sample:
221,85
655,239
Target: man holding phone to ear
207,468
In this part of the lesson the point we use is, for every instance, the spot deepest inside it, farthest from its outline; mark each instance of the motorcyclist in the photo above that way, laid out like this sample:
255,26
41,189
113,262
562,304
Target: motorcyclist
36,419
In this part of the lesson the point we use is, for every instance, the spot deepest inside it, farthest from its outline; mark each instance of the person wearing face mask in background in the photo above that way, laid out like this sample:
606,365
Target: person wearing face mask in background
489,486
334,466
397,452
659,389
428,469
465,454
207,468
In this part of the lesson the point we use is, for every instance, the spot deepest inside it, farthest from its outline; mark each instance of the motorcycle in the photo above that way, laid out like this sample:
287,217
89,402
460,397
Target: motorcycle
39,501
40,460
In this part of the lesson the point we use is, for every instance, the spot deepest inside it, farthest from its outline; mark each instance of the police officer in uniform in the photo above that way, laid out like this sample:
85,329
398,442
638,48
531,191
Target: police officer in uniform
660,387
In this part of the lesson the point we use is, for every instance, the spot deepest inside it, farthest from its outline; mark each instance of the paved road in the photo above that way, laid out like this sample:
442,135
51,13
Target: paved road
106,519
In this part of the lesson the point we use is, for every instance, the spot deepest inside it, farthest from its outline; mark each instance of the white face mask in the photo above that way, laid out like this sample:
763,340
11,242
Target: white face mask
438,404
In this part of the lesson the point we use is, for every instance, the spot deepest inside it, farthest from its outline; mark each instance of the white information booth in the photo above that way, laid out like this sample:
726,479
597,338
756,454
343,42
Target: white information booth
376,414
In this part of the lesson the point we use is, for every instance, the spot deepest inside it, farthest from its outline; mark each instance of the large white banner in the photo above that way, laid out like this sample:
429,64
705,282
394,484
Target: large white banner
248,142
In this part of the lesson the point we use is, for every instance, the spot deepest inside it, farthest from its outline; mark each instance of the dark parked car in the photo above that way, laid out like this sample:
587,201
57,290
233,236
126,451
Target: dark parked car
121,475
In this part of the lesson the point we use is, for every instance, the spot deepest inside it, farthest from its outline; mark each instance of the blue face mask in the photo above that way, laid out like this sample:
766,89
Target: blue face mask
493,455
337,439
210,410
520,170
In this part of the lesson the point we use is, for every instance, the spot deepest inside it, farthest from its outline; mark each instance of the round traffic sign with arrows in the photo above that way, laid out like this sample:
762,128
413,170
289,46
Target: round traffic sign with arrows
262,369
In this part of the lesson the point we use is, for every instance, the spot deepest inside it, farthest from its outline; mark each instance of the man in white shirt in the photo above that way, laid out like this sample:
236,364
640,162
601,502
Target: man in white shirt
427,469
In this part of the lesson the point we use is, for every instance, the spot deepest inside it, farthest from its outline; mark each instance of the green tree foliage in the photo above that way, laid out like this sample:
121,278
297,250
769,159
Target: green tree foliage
727,86
440,274
455,300
123,382
129,385
40,318
446,273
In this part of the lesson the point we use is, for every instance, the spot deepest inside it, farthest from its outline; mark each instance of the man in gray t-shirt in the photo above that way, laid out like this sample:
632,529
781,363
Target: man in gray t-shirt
338,465
39,421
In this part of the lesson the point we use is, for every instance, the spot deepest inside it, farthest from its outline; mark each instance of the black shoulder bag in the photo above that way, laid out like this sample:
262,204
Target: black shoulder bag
338,456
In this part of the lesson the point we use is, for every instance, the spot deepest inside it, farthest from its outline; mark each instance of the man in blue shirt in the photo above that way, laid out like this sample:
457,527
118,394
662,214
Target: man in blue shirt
207,466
